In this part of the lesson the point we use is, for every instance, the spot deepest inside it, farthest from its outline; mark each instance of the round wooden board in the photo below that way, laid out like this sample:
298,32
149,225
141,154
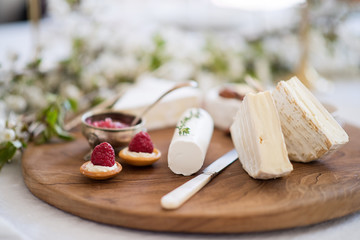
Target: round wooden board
231,203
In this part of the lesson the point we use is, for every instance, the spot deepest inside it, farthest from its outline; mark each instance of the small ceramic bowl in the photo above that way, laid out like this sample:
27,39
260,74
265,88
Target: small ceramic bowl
117,137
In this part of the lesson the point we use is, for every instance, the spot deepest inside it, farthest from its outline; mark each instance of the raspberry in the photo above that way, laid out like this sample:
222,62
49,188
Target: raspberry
103,155
141,143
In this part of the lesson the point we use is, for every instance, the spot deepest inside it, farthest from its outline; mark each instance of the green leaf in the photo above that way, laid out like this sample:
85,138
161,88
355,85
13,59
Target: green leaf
71,103
183,130
155,62
7,152
97,100
159,41
34,64
78,44
41,138
52,116
63,134
218,62
157,56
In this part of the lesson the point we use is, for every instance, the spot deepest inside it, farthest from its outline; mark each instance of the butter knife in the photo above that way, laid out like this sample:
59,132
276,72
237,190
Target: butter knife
178,196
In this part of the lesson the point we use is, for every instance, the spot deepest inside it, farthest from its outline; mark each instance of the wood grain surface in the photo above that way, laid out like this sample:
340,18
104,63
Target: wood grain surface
231,203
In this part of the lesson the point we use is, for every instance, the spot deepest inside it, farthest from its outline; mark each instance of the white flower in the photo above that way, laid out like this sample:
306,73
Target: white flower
262,69
53,79
236,66
58,8
105,93
207,80
70,91
136,41
127,66
19,132
7,135
112,66
12,120
35,97
89,78
190,46
3,113
16,103
107,63
176,71
98,39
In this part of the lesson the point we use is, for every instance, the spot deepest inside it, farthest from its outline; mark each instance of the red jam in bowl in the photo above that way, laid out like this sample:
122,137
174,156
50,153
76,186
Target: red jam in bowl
107,123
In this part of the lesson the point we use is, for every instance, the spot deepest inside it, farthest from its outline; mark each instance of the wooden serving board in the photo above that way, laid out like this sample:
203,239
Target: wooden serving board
231,203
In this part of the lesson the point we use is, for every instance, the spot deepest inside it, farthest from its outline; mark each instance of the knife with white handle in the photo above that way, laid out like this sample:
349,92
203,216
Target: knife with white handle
178,196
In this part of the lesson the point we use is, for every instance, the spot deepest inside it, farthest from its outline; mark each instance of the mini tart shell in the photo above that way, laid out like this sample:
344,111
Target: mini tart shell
139,161
100,175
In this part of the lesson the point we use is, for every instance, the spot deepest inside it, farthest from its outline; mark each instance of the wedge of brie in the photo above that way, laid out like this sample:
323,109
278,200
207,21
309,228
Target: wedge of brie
258,139
309,129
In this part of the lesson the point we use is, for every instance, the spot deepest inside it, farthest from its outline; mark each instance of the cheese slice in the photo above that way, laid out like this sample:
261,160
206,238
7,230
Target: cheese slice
187,152
309,129
258,139
167,112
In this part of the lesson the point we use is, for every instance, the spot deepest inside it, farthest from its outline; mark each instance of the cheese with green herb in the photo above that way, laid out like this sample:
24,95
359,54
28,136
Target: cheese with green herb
190,141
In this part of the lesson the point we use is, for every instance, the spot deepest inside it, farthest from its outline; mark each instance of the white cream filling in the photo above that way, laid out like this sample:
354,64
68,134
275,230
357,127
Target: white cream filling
138,154
98,168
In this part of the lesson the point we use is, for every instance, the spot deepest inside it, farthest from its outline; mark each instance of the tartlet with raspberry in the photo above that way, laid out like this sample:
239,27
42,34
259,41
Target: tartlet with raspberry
141,151
102,164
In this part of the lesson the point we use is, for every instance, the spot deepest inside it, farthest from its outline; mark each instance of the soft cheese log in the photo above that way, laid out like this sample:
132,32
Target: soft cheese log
259,142
187,151
309,129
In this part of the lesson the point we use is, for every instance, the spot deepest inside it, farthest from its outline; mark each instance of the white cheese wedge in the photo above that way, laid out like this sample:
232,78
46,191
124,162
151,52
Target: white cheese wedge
187,150
221,109
309,129
167,112
259,142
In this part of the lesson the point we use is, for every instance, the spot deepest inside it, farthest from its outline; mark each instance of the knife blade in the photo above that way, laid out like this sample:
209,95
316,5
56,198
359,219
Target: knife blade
178,196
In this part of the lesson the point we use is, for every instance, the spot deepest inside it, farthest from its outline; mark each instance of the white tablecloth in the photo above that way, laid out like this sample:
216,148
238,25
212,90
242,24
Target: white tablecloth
23,216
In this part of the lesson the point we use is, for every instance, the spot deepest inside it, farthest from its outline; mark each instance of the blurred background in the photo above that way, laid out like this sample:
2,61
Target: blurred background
188,39
60,58
74,54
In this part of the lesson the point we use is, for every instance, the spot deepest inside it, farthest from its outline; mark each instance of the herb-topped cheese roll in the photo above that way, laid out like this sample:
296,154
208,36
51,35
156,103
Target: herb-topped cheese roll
190,141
